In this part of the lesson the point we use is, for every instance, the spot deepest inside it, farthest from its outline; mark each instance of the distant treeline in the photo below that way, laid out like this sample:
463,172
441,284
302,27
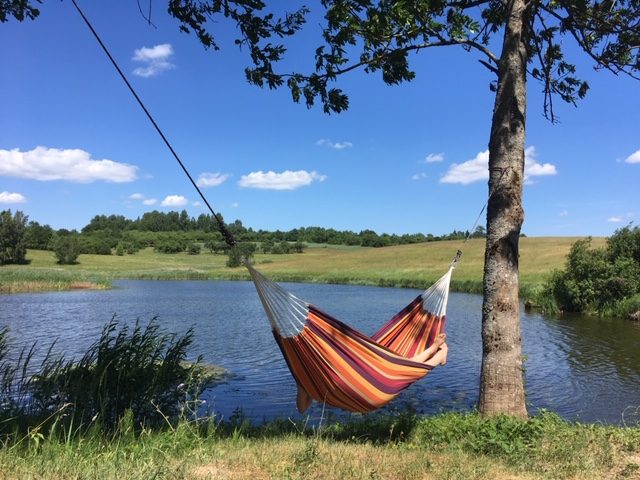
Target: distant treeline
172,232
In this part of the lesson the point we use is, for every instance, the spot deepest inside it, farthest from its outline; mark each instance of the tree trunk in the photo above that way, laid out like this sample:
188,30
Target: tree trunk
501,380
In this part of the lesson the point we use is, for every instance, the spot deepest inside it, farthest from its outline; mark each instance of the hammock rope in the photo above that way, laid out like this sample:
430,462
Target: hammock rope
331,361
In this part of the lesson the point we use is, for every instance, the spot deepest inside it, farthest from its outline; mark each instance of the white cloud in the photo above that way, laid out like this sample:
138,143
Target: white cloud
286,180
174,201
633,158
10,197
477,169
434,157
235,205
141,197
197,204
564,213
614,219
470,171
73,165
155,60
419,176
337,145
207,179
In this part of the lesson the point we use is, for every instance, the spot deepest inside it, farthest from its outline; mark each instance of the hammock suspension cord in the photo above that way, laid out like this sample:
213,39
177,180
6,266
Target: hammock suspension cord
228,237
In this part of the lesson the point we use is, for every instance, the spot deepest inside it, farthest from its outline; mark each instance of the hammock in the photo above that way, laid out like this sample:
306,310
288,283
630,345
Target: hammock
338,365
332,362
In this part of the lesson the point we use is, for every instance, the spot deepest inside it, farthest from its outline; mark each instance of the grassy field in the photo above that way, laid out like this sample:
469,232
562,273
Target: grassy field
449,446
407,266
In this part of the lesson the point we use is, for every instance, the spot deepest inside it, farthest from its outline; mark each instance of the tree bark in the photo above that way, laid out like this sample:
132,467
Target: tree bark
501,380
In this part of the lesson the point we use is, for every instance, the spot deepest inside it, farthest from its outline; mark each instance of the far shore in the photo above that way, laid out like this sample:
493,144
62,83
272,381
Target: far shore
407,266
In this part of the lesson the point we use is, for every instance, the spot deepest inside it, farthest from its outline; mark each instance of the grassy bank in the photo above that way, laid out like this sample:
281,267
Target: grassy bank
450,446
405,266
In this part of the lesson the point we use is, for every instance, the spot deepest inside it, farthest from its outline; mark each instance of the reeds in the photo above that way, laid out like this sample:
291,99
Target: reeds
139,371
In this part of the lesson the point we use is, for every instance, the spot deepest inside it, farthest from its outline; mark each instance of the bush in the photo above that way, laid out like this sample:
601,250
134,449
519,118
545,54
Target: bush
67,249
597,280
242,250
194,249
170,245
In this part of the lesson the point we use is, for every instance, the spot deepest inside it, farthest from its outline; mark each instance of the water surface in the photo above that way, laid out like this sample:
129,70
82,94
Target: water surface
582,368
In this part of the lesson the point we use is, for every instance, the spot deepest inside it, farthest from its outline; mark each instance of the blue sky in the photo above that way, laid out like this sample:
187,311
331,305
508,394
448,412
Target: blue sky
403,159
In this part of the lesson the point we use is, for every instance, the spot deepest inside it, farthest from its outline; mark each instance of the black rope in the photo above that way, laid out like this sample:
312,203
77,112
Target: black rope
228,237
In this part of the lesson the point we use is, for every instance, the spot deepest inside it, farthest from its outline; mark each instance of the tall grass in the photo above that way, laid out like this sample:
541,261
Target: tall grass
139,370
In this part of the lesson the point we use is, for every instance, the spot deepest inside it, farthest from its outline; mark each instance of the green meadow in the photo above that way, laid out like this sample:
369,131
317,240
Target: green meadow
415,265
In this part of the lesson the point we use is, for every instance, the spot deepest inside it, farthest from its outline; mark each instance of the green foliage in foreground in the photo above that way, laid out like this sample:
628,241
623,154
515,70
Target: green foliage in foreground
449,446
139,371
599,280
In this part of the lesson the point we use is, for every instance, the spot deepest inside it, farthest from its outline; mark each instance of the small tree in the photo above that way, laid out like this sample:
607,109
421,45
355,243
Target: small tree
242,250
12,237
194,249
67,249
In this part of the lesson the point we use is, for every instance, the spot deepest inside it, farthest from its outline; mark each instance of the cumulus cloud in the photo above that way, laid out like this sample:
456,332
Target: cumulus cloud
286,180
207,179
155,60
419,176
174,201
633,158
11,197
72,165
470,171
337,145
614,219
477,168
434,157
141,197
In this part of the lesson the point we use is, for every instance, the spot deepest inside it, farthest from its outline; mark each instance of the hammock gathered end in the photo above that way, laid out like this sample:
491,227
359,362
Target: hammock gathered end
340,366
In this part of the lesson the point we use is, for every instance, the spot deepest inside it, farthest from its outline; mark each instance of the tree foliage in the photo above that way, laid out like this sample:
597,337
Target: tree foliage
12,237
67,249
380,36
595,280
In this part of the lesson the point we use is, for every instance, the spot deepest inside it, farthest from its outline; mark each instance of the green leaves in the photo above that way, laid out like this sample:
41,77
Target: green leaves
378,36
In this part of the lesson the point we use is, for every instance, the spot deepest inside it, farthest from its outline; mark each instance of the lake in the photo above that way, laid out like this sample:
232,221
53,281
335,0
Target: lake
585,369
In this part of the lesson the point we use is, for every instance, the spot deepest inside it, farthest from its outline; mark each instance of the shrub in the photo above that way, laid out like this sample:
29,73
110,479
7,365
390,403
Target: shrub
194,249
170,245
242,250
598,279
67,249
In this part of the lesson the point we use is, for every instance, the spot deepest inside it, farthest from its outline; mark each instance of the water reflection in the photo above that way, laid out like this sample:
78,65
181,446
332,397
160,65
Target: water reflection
582,368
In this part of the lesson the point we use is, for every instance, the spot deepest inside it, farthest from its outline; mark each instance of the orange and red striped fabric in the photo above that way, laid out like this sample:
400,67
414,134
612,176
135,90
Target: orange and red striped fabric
337,365
411,330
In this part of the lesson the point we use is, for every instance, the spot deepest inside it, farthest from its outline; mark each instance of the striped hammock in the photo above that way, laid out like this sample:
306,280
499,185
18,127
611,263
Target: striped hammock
339,366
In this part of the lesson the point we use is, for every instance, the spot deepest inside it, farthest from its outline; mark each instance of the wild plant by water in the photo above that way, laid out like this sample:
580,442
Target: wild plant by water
140,370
